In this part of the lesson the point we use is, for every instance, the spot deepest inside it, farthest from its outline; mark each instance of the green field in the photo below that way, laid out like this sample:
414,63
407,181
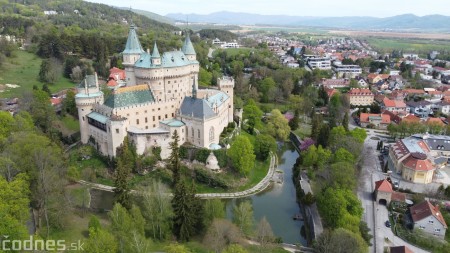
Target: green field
420,46
22,69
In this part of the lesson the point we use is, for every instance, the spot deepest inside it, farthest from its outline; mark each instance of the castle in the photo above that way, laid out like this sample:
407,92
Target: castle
161,95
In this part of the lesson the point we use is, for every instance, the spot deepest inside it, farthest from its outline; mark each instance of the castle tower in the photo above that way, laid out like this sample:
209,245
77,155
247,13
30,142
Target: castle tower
156,57
188,48
131,54
226,84
88,95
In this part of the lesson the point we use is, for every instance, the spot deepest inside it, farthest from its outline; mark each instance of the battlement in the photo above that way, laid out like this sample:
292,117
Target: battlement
225,81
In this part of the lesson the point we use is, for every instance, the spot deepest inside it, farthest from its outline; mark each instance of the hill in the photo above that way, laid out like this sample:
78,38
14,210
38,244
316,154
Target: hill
405,22
151,15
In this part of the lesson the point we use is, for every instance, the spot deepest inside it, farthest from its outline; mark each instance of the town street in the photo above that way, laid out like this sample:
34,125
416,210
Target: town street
374,214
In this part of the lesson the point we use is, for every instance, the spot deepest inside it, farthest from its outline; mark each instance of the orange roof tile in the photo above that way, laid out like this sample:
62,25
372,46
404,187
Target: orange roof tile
383,185
417,164
425,210
437,121
411,118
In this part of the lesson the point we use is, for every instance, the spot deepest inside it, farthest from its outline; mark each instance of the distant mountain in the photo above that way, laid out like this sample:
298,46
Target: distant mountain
151,15
407,21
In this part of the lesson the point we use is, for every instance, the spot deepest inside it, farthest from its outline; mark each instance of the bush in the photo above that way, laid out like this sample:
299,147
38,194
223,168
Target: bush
73,174
201,155
222,158
213,180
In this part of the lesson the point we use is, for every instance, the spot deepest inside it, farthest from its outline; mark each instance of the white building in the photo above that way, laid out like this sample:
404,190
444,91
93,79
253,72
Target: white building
161,95
348,71
317,62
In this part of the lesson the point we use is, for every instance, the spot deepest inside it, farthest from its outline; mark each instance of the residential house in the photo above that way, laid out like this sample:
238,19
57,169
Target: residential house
434,121
442,106
429,219
420,108
348,71
374,78
395,118
410,118
435,94
380,121
330,91
361,81
360,97
336,83
395,106
317,62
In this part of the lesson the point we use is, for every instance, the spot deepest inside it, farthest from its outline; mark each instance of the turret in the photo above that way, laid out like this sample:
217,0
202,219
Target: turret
131,54
188,48
88,95
226,84
156,57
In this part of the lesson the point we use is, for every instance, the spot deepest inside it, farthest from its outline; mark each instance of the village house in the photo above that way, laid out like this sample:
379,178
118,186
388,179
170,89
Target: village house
335,83
420,109
380,121
394,106
360,97
428,218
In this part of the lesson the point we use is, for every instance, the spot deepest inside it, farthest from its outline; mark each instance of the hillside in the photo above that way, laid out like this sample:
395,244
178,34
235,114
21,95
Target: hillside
406,22
151,15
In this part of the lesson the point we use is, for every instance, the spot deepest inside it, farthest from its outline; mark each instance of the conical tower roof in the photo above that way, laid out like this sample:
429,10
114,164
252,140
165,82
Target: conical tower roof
133,45
155,52
188,48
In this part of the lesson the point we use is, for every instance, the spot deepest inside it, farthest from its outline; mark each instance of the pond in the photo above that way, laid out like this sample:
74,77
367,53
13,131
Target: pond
278,203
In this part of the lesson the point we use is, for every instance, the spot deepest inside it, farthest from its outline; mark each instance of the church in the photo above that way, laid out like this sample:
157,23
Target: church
161,95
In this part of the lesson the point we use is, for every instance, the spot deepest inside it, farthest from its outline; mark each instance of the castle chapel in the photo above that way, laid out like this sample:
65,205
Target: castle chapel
161,95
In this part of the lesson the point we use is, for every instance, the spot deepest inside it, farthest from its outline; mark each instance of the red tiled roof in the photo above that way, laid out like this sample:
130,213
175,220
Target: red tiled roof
383,185
435,92
417,164
414,91
394,117
385,119
56,101
117,74
360,92
437,121
411,118
398,196
425,210
400,249
112,83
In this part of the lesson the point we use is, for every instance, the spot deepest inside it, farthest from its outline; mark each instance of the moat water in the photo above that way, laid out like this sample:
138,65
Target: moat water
278,203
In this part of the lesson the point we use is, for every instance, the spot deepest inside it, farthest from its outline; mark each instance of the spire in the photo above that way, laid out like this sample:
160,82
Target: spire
188,48
133,45
194,90
155,53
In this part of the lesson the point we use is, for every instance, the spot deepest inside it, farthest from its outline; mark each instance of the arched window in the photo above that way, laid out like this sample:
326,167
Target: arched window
198,133
192,132
211,134
187,131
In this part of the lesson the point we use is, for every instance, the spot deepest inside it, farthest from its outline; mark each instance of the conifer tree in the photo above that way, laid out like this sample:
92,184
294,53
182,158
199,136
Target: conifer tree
174,164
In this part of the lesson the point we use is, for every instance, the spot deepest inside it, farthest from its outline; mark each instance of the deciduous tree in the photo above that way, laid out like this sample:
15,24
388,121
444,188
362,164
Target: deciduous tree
243,217
241,155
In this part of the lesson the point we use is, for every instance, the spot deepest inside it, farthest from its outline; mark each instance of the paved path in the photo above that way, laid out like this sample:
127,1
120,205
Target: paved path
261,186
317,221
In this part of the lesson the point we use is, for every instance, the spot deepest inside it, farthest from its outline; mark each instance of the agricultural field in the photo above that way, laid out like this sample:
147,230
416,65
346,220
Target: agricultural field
20,72
421,46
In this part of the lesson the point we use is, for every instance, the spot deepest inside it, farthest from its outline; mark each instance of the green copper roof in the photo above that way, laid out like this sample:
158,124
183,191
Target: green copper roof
133,45
173,123
88,81
98,117
168,60
129,98
188,48
155,53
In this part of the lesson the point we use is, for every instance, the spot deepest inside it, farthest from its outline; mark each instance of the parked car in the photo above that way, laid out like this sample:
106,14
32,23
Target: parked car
396,184
388,224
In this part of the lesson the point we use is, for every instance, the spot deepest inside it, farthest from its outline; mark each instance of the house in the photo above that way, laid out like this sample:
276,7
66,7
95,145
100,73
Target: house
409,158
317,62
335,83
360,97
429,219
443,106
361,82
347,70
420,108
380,121
434,121
374,78
410,118
435,94
399,249
330,91
395,106
383,191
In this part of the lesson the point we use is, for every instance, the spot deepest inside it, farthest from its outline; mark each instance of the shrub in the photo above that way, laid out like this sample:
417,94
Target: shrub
213,180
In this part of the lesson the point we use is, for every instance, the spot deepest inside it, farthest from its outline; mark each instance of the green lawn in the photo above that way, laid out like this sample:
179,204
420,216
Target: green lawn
23,70
71,123
304,130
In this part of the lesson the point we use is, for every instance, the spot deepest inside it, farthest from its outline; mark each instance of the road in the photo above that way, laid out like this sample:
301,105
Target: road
375,215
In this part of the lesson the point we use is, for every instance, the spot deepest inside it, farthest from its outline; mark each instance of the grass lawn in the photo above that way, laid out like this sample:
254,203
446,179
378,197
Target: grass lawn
23,70
67,125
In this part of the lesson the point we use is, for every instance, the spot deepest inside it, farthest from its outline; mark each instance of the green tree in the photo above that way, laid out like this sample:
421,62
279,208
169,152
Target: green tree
340,241
263,145
188,212
278,125
310,157
345,121
360,134
241,155
253,115
243,217
121,183
317,122
220,234
324,134
214,209
174,159
342,175
100,241
176,248
264,234
295,121
342,155
158,210
50,70
267,88
41,110
94,224
68,105
6,124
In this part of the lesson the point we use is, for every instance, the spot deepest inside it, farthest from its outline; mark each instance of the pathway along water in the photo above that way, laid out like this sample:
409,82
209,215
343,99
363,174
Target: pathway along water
278,203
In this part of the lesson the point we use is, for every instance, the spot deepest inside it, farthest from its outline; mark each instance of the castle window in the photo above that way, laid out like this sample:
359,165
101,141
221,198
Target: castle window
187,132
166,116
137,121
198,133
137,113
145,111
168,82
83,118
159,109
146,120
192,132
211,134
159,117
117,130
173,115
154,125
154,118
146,127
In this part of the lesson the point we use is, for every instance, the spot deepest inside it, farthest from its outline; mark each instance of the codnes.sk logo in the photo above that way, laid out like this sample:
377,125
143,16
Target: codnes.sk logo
32,244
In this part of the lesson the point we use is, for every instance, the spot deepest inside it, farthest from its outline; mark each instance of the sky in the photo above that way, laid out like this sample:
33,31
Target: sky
325,8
